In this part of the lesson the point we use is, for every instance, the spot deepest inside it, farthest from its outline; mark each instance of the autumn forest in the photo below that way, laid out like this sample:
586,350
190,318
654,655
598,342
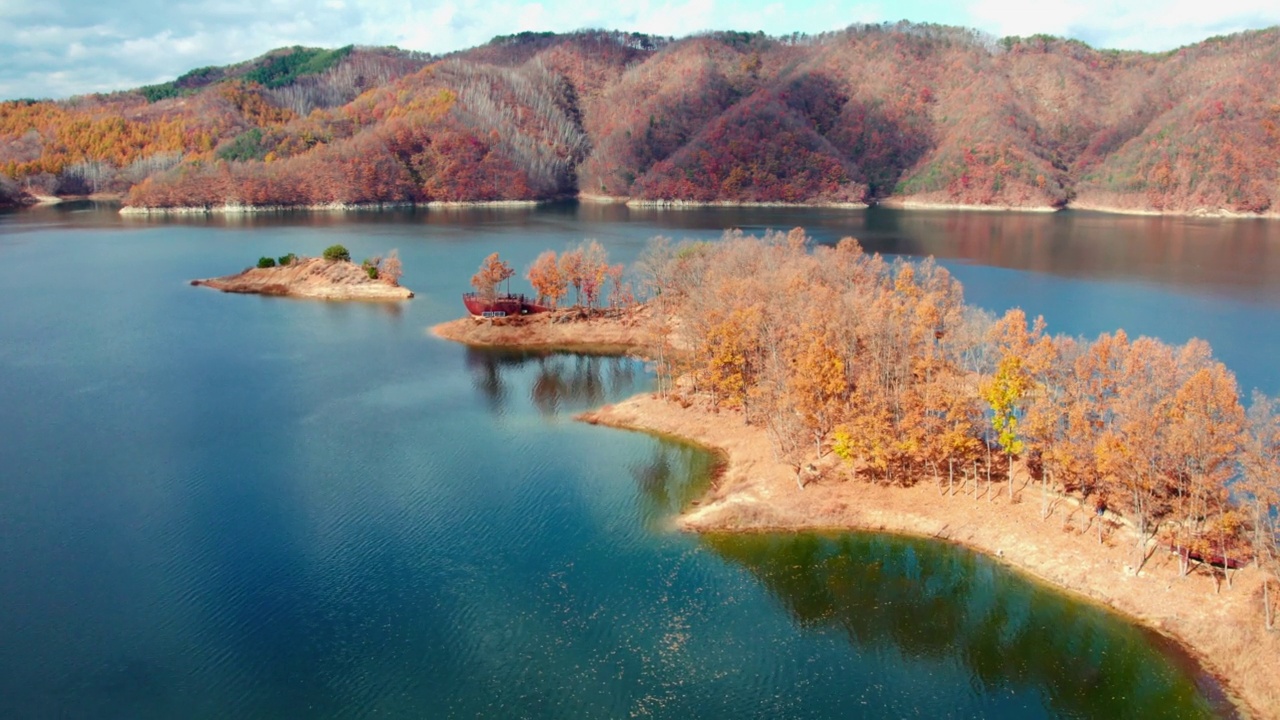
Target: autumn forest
834,352
871,113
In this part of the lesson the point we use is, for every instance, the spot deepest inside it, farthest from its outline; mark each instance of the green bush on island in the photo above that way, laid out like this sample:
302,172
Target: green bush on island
336,252
266,262
286,260
370,266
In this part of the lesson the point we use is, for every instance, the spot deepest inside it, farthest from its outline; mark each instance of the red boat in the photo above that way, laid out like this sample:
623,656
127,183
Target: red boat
501,306
1234,562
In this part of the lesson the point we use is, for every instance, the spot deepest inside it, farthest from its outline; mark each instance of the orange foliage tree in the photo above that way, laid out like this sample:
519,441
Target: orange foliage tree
1262,489
493,272
545,277
884,364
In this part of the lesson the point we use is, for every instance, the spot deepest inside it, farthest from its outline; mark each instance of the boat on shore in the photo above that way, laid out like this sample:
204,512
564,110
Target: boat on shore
501,305
1230,562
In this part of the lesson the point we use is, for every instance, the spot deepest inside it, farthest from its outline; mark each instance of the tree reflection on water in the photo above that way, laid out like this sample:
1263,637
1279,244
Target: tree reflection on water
556,382
674,476
935,606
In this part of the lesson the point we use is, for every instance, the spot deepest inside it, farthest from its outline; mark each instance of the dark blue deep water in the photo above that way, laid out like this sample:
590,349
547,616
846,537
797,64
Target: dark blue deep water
219,506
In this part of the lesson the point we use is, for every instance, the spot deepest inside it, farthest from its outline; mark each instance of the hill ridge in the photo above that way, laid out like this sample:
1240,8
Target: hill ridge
895,112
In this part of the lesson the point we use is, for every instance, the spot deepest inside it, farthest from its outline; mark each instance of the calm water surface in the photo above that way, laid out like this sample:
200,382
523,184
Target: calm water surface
234,506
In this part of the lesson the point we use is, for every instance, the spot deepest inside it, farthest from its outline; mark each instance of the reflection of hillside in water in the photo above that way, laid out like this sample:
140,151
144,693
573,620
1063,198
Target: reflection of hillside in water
554,381
1237,259
933,607
675,474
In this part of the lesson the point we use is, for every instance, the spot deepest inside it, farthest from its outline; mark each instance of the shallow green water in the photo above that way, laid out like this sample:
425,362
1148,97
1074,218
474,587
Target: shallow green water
234,506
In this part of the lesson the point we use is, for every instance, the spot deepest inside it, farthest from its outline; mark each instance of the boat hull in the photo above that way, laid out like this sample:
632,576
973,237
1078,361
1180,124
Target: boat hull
1215,559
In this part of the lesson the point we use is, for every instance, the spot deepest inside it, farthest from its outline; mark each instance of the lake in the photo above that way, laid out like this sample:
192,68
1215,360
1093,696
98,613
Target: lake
234,506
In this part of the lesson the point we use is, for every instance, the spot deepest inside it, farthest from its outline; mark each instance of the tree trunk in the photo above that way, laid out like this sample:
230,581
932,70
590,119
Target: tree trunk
1044,507
1268,613
1257,524
1226,562
1009,458
990,494
1141,517
662,380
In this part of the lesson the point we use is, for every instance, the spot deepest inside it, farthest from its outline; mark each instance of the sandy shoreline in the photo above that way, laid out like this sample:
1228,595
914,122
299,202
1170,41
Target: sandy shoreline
236,209
696,204
621,334
41,199
1216,213
1223,632
894,203
908,203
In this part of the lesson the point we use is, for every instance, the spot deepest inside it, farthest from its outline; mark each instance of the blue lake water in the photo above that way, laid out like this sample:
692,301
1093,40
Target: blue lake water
233,506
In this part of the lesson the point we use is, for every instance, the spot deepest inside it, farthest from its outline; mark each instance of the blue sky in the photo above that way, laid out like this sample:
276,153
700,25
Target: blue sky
57,48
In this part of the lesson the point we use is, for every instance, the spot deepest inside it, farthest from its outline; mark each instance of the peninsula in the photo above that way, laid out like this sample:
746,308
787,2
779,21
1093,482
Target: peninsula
316,278
754,492
847,393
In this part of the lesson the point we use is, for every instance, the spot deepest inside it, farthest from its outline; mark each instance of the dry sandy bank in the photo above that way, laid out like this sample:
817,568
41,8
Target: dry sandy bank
1222,629
624,333
315,278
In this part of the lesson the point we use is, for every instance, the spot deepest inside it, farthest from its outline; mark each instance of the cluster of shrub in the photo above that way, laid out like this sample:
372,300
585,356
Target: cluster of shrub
282,261
331,253
387,268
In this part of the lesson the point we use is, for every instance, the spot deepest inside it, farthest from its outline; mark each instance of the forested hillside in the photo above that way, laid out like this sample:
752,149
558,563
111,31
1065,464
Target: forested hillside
914,112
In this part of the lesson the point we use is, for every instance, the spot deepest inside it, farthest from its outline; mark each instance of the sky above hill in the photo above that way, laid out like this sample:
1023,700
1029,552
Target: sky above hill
57,48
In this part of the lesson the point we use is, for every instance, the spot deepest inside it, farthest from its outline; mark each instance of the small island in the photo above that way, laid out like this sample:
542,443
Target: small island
624,331
604,317
330,277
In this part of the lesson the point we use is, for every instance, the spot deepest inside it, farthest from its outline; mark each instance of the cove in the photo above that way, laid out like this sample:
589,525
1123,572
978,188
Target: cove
221,505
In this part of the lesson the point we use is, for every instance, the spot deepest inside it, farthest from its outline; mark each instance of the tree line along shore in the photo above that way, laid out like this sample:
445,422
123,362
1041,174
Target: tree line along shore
848,391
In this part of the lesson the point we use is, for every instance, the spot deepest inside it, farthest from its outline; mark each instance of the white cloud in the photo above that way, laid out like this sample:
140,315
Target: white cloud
1125,25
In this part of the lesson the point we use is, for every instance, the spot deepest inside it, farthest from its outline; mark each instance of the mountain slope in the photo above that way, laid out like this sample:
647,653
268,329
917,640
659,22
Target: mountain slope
917,112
